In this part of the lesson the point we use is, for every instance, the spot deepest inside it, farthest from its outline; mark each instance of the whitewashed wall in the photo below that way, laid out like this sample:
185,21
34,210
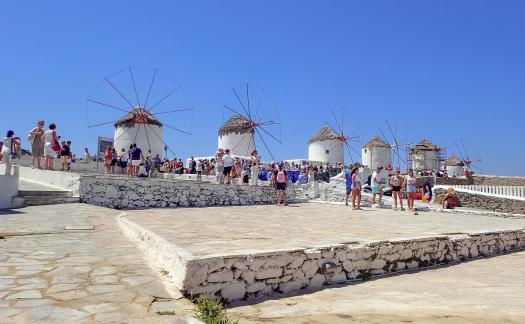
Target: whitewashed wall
317,151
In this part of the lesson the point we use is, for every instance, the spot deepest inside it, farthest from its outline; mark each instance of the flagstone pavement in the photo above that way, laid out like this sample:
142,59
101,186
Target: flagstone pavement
70,263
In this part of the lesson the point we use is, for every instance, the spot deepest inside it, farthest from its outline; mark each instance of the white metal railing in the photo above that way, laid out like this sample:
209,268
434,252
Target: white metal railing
501,191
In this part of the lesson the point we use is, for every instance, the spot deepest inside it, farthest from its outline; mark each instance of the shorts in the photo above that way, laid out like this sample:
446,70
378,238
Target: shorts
64,159
123,164
348,190
199,172
356,186
114,162
135,162
376,190
396,188
281,186
37,148
411,188
227,170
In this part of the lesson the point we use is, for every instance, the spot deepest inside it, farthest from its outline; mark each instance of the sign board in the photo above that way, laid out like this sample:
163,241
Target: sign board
103,142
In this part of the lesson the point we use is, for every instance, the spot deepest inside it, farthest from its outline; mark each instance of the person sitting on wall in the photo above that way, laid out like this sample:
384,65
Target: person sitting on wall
451,200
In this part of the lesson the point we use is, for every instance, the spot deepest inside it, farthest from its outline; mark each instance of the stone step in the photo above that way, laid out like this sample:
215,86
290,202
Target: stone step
48,200
45,193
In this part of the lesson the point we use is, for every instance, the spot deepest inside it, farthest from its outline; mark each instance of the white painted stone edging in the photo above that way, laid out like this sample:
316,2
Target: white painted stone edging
251,277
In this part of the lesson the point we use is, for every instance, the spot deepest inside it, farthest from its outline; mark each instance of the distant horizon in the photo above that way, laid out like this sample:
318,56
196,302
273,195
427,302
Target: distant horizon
439,72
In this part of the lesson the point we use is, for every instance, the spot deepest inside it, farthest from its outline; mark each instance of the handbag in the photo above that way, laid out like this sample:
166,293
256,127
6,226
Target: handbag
56,145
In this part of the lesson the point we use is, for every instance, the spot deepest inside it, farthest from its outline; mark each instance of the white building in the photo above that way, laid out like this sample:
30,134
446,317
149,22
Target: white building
424,156
376,153
455,167
326,146
237,134
141,128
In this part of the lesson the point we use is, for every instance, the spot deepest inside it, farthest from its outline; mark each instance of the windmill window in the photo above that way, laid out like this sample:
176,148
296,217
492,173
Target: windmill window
327,151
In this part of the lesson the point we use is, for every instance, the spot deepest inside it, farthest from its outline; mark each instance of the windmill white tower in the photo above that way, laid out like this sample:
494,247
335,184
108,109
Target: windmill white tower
139,127
455,167
425,156
326,146
237,134
376,153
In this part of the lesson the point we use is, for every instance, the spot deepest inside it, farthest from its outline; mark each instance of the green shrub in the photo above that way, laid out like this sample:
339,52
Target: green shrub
211,311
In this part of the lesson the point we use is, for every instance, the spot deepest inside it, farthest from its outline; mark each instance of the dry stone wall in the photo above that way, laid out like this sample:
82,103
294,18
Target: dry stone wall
121,193
485,202
251,277
498,181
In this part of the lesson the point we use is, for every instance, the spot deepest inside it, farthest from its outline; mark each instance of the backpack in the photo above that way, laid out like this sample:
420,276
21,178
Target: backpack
281,178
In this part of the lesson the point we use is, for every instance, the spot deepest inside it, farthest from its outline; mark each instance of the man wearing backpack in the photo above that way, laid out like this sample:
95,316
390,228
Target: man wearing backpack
280,179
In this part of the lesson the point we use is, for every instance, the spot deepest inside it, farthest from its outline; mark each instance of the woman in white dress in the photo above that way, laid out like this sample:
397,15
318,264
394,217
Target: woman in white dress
49,153
7,151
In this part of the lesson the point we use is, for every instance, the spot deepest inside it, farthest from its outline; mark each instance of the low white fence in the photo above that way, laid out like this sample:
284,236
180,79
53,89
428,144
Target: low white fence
500,191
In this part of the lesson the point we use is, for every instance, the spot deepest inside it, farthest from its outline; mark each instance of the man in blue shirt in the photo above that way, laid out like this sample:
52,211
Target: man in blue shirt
347,174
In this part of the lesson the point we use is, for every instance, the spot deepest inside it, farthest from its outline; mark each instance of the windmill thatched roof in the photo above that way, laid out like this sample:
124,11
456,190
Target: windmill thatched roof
454,161
324,133
138,115
425,145
376,141
236,124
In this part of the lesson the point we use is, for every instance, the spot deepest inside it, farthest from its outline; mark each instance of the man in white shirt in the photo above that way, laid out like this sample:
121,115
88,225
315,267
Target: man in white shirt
227,160
377,186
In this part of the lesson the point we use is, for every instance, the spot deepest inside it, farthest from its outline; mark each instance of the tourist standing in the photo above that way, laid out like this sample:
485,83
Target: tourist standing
410,184
255,160
107,159
395,182
51,146
236,170
70,159
123,160
8,148
192,166
35,138
227,161
136,159
348,180
114,160
86,157
356,189
280,179
65,155
376,185
219,165
198,167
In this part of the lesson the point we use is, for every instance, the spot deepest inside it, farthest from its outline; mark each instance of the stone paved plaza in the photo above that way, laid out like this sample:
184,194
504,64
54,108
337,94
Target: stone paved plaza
481,291
211,231
70,262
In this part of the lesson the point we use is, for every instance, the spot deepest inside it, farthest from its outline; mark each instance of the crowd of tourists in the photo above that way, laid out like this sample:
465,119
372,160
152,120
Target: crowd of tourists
46,146
398,185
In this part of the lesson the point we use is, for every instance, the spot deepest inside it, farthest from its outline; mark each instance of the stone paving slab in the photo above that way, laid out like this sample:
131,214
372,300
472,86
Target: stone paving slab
481,291
76,275
219,231
34,186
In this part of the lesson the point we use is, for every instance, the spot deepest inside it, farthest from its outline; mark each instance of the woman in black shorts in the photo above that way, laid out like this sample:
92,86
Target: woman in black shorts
395,182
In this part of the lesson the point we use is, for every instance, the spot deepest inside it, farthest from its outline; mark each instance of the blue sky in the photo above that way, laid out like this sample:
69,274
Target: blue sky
441,70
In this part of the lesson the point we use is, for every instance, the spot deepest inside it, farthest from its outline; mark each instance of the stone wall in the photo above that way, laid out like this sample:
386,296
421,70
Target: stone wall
485,202
498,181
9,185
122,192
250,277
